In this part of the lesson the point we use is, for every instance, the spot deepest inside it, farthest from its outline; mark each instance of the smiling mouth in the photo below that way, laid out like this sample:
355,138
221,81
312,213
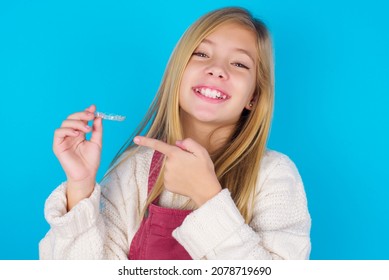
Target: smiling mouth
211,93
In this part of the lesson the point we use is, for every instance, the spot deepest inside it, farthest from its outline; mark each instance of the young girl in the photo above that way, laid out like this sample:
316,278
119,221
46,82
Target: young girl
201,184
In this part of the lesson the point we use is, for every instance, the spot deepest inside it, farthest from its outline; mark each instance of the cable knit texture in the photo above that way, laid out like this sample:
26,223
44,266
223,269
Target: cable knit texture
103,225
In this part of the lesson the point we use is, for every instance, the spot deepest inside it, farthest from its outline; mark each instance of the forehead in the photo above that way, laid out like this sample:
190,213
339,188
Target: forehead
232,35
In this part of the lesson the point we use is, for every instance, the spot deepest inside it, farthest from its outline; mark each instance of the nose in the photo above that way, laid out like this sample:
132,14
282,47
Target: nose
217,71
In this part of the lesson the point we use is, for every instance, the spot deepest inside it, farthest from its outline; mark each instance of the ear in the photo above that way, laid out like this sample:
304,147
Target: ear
250,105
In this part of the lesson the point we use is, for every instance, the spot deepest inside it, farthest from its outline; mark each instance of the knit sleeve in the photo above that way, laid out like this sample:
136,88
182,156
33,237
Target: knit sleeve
101,226
279,229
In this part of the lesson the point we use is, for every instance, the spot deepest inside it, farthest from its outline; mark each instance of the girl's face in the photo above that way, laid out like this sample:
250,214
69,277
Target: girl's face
219,80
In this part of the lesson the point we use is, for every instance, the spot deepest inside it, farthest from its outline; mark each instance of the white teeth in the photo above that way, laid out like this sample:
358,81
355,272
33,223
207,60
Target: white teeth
211,93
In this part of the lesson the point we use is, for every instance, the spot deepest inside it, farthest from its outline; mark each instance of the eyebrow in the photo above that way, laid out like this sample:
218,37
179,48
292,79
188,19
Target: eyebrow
236,49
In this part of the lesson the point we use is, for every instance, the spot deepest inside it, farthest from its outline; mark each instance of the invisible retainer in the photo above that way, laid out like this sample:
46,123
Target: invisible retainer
110,117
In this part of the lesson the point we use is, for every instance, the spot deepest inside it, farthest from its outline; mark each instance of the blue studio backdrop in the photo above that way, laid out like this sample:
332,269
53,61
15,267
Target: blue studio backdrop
332,88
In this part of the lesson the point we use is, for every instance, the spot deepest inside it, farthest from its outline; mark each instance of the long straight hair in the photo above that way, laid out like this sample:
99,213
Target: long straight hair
237,163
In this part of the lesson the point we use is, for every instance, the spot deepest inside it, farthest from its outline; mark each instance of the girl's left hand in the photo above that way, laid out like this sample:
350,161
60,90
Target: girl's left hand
189,169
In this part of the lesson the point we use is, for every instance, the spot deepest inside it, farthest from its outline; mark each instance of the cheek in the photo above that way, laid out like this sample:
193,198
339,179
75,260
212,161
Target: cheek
252,82
189,78
184,91
248,86
185,81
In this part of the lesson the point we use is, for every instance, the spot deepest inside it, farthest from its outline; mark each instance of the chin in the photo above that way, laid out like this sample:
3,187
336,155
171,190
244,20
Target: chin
205,119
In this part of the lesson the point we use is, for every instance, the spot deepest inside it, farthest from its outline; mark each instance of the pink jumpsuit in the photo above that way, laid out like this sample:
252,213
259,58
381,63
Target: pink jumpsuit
154,240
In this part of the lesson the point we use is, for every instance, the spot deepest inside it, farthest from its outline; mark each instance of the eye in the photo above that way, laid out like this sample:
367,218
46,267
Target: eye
200,54
240,65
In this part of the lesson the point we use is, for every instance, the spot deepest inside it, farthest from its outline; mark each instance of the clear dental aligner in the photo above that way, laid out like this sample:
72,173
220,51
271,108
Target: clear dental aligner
110,117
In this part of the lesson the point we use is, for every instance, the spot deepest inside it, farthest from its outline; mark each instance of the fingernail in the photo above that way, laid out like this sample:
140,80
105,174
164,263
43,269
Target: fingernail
136,140
87,127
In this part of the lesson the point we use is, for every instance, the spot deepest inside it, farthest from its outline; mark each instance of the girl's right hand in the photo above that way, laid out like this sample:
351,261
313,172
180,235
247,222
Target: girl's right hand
79,158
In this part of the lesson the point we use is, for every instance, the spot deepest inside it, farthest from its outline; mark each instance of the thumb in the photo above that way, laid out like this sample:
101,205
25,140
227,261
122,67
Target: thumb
97,132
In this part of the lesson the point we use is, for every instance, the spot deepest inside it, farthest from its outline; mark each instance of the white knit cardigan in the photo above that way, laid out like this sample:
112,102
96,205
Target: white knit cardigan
103,225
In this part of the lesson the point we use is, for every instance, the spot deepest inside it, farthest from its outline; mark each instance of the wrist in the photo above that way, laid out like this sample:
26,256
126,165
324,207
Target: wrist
78,190
210,192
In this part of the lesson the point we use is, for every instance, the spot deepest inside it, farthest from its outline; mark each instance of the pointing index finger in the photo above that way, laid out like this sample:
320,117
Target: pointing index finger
154,144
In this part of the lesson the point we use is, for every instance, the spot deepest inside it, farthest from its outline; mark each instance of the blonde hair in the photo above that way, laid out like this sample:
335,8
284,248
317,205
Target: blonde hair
237,163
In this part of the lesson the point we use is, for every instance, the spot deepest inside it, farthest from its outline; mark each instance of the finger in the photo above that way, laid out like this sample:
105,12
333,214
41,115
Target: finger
76,125
97,132
61,133
84,116
190,146
154,144
91,108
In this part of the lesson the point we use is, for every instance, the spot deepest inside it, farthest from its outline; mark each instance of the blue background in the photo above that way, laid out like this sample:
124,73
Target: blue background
332,88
